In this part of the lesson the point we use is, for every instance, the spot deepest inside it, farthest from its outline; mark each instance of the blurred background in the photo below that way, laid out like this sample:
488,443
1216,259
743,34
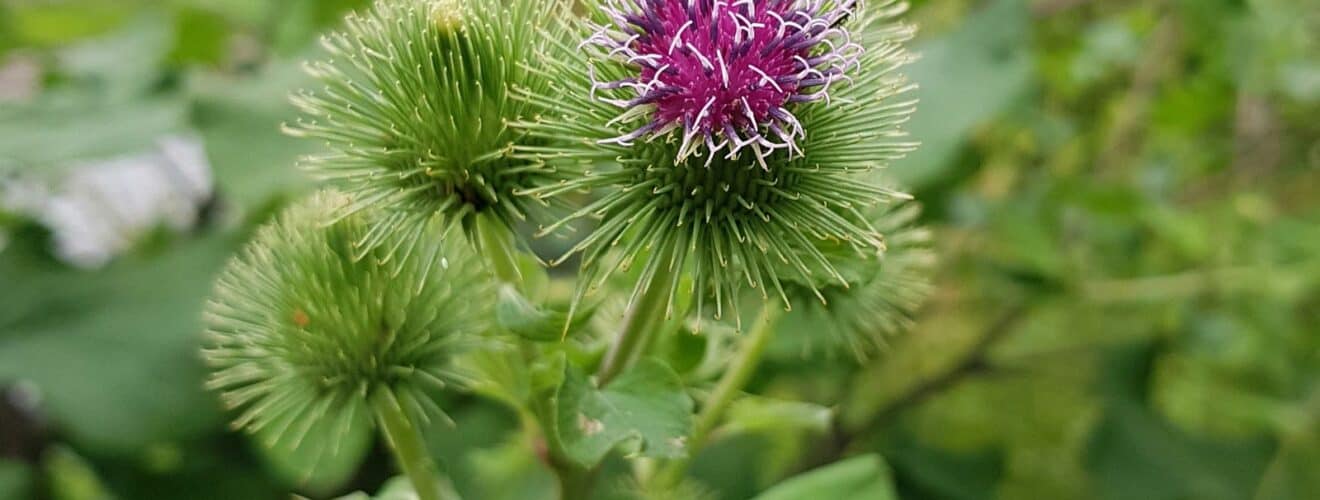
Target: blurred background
1124,194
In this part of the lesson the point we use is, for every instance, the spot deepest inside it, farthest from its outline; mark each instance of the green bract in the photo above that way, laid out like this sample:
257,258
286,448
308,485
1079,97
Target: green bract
299,331
724,222
415,106
880,299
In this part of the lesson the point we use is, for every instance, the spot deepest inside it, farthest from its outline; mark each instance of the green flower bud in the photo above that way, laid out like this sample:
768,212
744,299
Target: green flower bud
300,333
880,299
415,105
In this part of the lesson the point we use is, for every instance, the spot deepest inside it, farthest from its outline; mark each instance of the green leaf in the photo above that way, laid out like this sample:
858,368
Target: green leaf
967,77
113,353
55,23
396,488
1293,473
760,414
510,471
125,64
517,315
930,472
200,36
1134,453
15,480
72,477
240,123
52,136
645,406
860,478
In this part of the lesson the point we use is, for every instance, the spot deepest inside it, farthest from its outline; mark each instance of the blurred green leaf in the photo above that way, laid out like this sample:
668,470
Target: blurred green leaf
122,65
1134,453
859,478
923,471
112,353
54,23
52,136
71,477
761,414
396,488
16,480
510,472
200,37
966,77
240,119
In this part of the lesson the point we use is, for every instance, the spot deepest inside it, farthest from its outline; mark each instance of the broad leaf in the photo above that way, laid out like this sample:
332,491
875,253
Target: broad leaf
860,478
966,78
519,316
113,353
760,414
16,480
645,406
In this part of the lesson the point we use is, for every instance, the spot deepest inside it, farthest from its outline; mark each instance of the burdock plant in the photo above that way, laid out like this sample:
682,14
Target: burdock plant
718,155
726,140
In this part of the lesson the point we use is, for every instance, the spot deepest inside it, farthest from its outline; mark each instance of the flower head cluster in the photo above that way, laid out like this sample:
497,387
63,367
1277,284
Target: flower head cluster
734,220
723,72
415,104
302,335
879,300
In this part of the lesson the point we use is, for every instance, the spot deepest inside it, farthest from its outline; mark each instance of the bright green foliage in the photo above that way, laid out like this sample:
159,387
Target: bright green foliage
1122,195
415,105
645,405
732,222
293,345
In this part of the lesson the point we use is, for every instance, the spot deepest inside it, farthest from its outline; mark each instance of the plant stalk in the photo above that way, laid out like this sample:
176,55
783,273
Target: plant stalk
497,246
726,390
645,316
405,440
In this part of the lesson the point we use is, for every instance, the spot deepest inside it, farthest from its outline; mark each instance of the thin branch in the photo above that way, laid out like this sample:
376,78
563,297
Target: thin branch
976,361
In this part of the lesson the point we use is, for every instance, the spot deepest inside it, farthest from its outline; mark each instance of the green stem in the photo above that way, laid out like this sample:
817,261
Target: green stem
497,245
574,482
645,316
409,449
726,390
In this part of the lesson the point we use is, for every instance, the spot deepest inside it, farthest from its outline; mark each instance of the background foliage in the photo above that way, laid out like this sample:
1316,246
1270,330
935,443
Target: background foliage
1123,197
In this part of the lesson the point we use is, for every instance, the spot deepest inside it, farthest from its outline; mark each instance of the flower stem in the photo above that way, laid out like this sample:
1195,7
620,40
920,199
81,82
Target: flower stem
726,390
645,316
409,449
497,247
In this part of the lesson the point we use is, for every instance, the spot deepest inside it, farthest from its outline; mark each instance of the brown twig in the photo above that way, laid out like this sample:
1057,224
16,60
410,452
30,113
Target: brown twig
975,362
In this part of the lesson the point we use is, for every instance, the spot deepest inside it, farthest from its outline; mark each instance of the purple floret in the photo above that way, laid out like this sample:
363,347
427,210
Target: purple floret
727,72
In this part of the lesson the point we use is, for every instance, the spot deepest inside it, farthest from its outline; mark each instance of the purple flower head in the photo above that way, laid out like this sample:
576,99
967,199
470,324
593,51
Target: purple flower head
726,72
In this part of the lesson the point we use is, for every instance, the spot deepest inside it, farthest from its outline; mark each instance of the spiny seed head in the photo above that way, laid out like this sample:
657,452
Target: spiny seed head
724,72
734,219
414,105
301,335
880,299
